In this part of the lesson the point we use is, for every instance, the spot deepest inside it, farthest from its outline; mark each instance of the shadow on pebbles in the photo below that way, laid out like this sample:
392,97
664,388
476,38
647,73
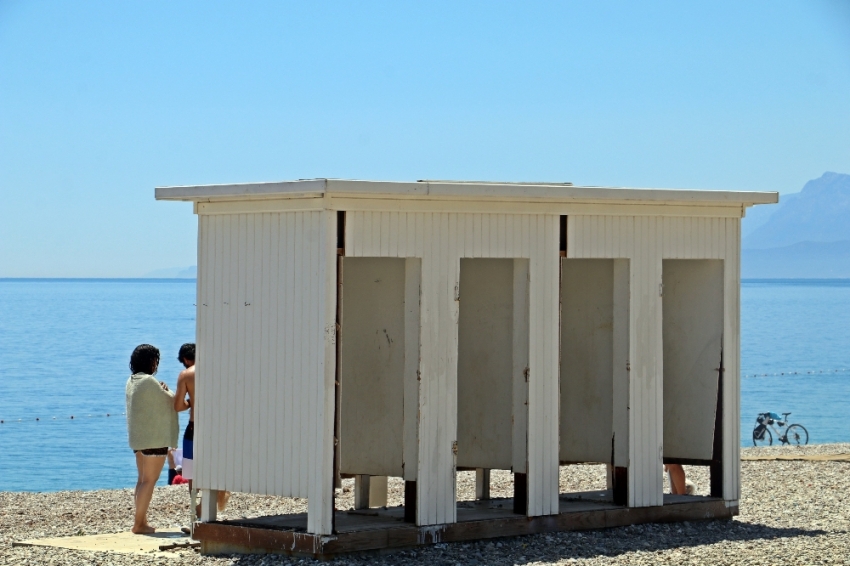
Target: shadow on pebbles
791,513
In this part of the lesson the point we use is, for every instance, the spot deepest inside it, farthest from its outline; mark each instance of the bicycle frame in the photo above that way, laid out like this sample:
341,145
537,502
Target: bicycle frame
768,421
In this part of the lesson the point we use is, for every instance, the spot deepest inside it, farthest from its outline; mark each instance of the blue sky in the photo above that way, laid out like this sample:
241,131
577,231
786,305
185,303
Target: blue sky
102,101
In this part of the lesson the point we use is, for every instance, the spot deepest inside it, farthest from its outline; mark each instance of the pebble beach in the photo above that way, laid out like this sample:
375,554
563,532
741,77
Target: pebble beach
792,512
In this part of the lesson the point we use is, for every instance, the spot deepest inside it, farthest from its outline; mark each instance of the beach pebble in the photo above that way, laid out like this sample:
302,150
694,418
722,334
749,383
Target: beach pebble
791,513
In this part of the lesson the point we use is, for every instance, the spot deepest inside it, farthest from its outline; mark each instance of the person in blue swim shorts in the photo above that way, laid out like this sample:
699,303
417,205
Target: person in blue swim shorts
184,399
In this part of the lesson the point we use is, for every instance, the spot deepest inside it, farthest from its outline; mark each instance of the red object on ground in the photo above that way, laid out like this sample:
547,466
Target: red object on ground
179,480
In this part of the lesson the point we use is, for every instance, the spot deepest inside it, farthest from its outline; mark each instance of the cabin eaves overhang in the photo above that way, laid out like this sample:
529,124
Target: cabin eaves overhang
461,191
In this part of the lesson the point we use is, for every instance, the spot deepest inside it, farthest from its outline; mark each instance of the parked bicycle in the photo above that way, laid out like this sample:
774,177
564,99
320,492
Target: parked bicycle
795,434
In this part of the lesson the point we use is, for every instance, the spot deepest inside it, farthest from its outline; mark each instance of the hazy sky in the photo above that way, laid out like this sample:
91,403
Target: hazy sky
102,101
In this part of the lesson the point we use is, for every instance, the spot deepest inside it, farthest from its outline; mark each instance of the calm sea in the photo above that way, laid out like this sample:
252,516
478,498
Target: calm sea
65,345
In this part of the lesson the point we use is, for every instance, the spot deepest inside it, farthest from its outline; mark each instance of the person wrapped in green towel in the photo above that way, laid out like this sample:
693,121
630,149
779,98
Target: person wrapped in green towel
152,427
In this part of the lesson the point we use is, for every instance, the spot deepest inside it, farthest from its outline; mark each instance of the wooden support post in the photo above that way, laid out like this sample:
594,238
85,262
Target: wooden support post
621,485
519,431
410,502
370,491
482,483
361,491
209,501
378,491
322,391
520,494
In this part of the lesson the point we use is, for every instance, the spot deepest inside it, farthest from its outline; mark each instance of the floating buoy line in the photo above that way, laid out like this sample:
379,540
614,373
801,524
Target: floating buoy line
808,372
71,418
104,415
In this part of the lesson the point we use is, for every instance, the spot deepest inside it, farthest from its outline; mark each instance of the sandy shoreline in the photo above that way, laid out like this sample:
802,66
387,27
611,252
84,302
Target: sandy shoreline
791,512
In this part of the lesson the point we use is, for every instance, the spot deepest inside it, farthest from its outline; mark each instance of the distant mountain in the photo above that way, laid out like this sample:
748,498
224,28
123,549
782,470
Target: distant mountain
807,235
190,272
819,213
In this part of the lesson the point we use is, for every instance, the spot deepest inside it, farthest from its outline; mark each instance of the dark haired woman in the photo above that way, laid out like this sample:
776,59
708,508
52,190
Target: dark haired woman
152,427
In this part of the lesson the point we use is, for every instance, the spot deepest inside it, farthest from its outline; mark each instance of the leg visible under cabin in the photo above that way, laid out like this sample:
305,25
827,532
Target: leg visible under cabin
692,368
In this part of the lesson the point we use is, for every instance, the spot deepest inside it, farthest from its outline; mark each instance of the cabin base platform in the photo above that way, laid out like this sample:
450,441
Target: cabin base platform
385,529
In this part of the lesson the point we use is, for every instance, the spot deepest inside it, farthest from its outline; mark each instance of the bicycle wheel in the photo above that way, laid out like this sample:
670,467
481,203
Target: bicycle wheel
797,435
762,436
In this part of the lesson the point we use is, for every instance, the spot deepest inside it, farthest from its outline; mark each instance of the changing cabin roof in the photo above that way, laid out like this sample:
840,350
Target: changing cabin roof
460,190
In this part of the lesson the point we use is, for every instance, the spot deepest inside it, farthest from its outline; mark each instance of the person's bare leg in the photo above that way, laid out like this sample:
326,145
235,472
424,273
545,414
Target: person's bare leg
149,469
677,478
198,506
223,497
138,479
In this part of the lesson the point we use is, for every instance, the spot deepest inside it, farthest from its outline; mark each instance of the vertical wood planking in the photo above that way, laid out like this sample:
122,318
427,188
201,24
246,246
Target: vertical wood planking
320,499
412,278
519,428
204,347
543,372
272,332
251,376
620,394
731,362
231,288
215,425
263,347
264,355
302,274
287,261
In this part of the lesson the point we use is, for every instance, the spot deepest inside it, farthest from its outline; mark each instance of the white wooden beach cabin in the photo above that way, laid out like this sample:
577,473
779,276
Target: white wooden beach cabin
409,329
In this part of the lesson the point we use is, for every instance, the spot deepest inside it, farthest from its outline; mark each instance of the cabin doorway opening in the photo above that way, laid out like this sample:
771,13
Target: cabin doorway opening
492,387
378,354
593,427
692,306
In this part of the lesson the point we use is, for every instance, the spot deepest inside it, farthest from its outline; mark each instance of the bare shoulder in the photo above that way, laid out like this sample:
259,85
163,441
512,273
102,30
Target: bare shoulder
187,376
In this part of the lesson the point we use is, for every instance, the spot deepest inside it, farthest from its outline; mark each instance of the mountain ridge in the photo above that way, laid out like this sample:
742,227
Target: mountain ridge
818,213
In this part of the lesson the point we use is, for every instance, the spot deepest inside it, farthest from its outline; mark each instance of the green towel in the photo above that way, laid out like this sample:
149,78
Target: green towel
151,418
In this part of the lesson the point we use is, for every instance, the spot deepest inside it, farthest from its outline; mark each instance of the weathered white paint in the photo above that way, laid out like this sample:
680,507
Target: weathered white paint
266,334
264,419
476,190
372,380
441,240
519,430
620,409
731,361
412,363
646,241
692,333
